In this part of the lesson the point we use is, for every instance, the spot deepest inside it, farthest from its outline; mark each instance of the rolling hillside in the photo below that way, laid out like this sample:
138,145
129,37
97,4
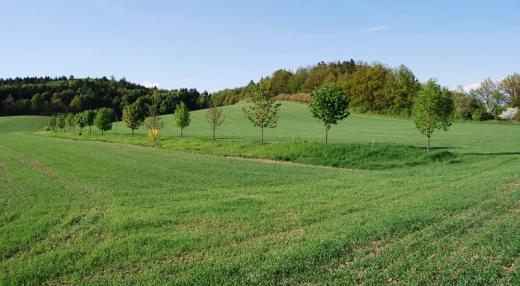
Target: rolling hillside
85,212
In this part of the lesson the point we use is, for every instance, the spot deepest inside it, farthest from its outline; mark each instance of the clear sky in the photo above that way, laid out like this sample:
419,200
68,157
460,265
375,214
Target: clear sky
217,44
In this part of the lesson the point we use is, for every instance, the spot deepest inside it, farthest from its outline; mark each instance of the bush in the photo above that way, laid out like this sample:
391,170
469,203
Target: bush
480,115
509,114
465,106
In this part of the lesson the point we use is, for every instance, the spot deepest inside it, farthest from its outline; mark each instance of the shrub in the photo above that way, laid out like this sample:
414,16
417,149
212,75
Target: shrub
60,121
52,122
509,114
480,115
465,106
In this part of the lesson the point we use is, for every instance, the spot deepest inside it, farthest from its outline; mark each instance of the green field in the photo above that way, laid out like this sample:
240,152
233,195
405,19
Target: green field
90,212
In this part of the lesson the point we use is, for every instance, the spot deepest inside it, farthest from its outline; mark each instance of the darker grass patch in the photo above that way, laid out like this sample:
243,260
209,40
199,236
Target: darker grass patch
356,156
350,156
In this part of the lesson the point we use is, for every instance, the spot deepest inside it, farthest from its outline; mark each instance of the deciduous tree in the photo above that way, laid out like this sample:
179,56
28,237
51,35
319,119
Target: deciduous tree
81,119
103,120
329,104
510,87
214,117
133,116
182,116
433,109
263,112
154,123
91,115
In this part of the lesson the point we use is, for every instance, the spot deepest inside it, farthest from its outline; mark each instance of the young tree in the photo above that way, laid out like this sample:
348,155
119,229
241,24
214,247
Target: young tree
215,117
329,104
90,115
60,121
53,122
433,109
133,116
154,123
263,112
103,120
182,116
70,121
80,119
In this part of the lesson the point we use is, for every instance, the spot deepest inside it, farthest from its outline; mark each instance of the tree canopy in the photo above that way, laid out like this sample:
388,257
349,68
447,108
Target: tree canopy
46,95
329,104
263,112
103,119
433,109
133,116
182,116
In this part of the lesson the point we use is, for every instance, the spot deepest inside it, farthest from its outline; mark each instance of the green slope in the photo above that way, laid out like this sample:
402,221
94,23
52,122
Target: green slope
296,122
23,123
95,213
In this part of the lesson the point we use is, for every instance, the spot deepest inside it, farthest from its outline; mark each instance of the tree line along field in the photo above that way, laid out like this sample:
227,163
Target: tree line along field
91,212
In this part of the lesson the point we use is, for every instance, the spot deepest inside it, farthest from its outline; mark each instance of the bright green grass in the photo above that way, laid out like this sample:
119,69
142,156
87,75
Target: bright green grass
22,123
97,213
297,124
357,156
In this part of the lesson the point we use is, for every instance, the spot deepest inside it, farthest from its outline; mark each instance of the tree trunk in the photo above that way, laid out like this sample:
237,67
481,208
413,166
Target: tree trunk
262,134
428,145
213,133
181,131
326,135
89,129
101,132
132,131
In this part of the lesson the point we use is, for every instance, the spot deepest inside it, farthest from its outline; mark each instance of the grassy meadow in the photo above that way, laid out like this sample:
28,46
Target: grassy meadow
75,209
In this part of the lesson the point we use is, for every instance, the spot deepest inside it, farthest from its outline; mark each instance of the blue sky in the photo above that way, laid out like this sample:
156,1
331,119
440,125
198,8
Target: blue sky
217,44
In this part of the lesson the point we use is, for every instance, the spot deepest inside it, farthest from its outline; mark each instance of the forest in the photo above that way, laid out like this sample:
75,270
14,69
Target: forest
377,88
372,88
46,95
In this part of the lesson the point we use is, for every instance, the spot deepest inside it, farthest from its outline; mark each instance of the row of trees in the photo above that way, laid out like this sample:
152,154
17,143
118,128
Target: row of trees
101,118
134,116
70,95
433,108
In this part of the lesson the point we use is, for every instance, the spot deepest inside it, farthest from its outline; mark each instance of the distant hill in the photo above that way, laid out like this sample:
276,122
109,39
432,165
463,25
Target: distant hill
373,87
